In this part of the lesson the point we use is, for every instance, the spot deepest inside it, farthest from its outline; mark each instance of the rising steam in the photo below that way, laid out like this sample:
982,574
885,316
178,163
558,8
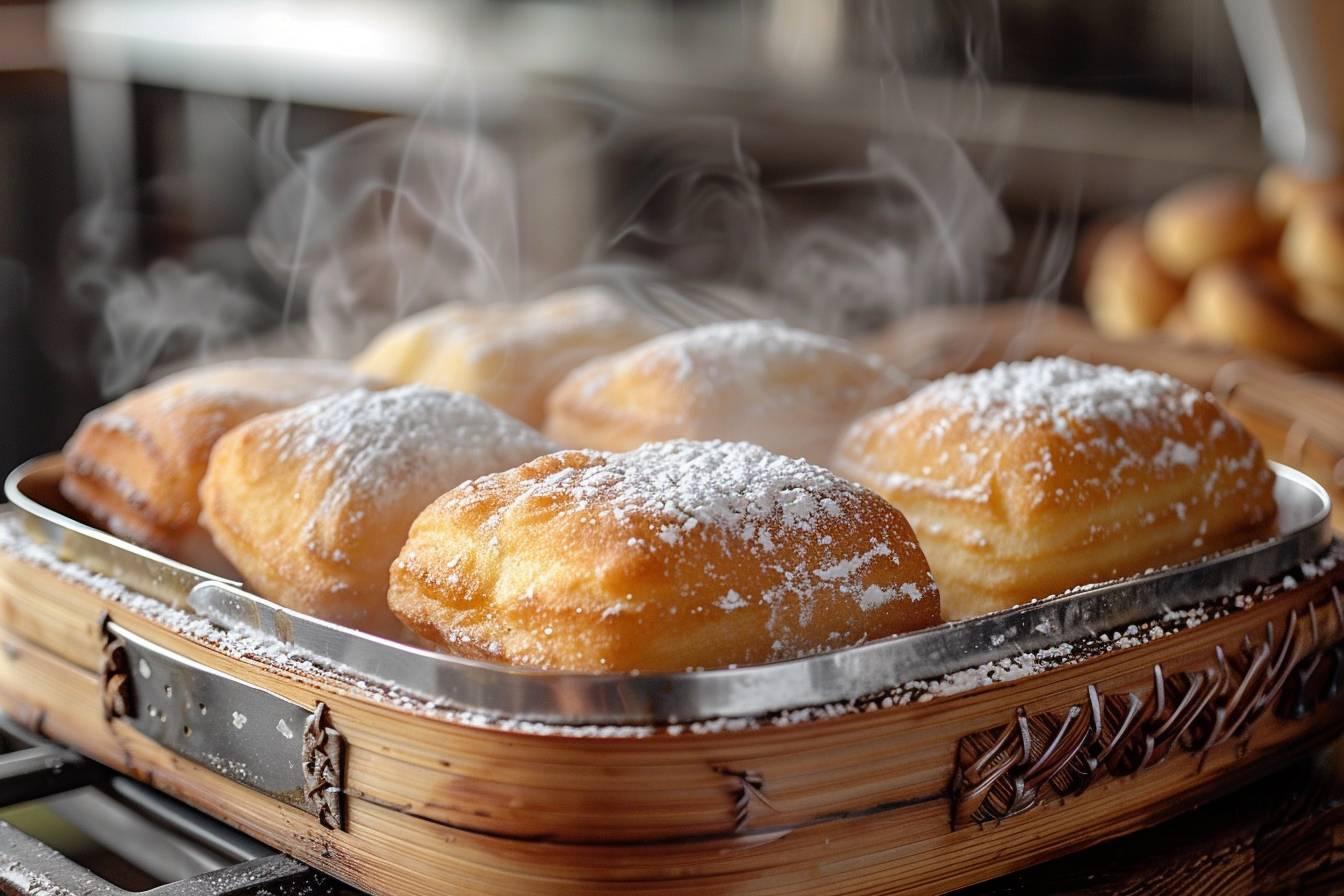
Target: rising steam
398,215
387,219
168,309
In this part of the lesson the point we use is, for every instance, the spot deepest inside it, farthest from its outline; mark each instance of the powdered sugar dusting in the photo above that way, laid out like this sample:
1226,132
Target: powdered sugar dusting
736,488
730,601
790,390
372,447
1029,421
736,356
1012,397
717,355
368,434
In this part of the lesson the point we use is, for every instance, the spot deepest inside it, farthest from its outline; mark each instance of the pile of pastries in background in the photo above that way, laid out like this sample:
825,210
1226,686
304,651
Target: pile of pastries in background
1221,262
573,483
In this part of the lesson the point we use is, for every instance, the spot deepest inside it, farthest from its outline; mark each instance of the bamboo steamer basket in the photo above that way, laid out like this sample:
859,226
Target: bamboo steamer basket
923,796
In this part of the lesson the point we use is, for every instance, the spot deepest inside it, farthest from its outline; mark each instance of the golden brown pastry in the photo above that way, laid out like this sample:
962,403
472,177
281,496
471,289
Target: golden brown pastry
1030,478
1127,293
1250,304
312,504
135,464
1282,190
1204,222
1313,252
674,556
1313,243
1324,306
758,381
509,355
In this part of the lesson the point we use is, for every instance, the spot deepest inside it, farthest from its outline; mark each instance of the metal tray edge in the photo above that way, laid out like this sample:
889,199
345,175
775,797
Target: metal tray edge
135,567
839,676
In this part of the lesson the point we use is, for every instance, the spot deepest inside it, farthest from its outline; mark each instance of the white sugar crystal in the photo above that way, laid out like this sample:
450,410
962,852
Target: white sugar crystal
850,565
874,597
730,601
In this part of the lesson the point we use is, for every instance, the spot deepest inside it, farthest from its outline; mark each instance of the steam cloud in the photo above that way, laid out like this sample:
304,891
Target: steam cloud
388,219
398,215
166,309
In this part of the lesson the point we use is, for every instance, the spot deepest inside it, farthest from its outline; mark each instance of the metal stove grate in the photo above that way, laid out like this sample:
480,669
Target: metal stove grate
117,837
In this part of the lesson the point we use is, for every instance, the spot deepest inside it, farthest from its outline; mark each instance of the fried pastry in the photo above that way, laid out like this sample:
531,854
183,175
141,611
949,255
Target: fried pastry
1127,293
1204,222
509,355
1313,242
1313,252
312,504
1283,190
1031,478
677,555
1251,304
135,465
788,390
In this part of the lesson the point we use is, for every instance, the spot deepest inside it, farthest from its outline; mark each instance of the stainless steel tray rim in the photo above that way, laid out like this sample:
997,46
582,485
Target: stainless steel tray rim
40,513
840,676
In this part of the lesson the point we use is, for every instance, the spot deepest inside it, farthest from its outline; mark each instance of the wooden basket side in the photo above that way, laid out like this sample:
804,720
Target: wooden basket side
1274,675
387,851
571,789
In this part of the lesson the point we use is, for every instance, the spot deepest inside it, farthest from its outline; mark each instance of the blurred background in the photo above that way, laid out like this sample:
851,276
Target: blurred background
185,178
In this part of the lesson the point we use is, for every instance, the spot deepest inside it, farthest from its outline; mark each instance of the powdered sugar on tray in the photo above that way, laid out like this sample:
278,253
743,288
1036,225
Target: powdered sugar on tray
15,878
245,644
235,643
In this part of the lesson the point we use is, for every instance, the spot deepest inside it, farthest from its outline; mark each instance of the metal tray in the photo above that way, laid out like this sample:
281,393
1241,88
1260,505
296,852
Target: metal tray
837,676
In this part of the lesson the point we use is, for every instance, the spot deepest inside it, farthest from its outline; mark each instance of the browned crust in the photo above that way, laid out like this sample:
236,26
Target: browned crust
510,356
135,465
1127,293
1250,304
302,538
1004,531
1203,222
1313,243
490,572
